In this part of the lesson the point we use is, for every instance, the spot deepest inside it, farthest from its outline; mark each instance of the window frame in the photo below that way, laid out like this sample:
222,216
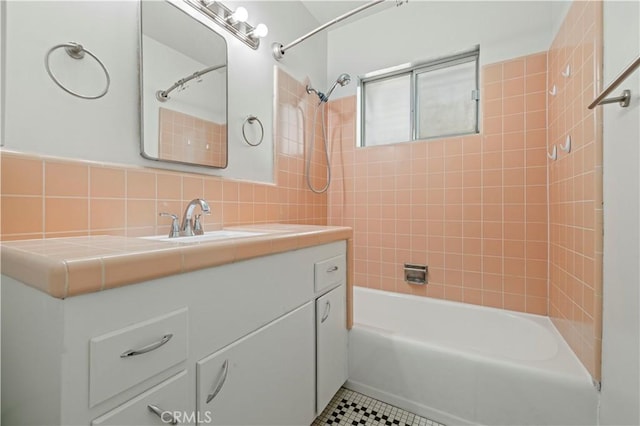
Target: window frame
414,69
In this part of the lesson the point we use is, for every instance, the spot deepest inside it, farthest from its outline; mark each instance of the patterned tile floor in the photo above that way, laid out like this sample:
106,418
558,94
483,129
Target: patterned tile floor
352,408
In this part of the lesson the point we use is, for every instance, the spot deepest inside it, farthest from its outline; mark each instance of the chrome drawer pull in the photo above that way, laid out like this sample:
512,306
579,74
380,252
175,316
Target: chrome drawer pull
218,387
165,416
333,268
148,348
327,309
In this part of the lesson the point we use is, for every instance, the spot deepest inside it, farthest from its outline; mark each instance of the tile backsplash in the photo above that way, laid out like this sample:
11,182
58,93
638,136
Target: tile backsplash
45,197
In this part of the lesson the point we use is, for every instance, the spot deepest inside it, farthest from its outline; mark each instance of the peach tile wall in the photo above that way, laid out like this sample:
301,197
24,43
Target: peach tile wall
46,197
473,208
575,184
190,139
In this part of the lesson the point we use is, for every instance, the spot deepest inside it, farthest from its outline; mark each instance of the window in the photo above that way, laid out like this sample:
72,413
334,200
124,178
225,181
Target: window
432,99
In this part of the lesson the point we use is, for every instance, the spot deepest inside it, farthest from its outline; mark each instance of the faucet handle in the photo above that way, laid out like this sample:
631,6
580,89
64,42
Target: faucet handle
175,227
197,226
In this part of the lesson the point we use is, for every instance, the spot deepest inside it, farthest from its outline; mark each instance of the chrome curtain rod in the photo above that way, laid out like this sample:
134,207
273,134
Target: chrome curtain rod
163,95
279,50
623,99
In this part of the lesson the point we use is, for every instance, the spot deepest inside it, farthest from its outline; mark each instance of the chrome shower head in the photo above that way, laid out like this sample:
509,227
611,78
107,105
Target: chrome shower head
342,80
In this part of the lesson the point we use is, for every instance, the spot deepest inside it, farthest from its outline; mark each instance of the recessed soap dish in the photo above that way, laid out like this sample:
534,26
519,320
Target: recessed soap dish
415,274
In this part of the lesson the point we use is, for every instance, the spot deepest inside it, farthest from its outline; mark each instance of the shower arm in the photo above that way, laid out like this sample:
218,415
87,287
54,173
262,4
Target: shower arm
279,50
163,95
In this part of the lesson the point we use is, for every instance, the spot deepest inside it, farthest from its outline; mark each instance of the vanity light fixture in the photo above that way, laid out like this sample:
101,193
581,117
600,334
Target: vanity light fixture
258,32
233,21
240,15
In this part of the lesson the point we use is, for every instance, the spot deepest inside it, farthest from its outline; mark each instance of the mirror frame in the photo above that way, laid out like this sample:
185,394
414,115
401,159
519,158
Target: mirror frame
188,10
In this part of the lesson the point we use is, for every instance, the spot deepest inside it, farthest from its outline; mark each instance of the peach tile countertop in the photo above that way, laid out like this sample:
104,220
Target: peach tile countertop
65,267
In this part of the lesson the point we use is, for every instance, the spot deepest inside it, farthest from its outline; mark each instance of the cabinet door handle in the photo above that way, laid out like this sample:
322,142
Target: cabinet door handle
148,348
333,268
327,309
218,387
165,416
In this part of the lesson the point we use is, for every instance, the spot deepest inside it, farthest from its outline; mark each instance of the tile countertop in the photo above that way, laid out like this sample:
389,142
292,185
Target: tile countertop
65,267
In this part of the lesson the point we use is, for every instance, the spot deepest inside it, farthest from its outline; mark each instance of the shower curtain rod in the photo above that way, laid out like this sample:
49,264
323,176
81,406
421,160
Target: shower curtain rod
279,50
163,95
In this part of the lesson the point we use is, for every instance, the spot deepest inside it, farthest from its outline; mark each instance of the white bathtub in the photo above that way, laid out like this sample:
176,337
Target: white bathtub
465,364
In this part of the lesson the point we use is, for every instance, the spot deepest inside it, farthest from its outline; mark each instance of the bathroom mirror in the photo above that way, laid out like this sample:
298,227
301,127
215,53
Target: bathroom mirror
183,88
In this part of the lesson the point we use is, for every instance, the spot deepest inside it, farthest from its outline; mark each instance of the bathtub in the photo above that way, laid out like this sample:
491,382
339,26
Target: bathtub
463,364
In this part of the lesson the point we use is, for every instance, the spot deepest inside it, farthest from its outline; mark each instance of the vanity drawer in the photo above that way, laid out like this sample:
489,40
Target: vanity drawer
123,358
329,272
170,398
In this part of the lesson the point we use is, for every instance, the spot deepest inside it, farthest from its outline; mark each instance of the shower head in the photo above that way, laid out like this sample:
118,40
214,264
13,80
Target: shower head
342,80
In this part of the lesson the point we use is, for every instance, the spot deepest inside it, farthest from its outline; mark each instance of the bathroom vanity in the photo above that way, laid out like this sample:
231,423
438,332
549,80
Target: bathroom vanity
259,337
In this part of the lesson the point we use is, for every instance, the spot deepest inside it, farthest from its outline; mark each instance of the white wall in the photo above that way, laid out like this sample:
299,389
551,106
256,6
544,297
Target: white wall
3,39
421,30
41,118
559,9
621,318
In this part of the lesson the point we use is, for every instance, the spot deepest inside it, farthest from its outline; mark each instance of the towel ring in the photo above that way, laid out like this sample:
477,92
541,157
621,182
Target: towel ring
76,51
250,119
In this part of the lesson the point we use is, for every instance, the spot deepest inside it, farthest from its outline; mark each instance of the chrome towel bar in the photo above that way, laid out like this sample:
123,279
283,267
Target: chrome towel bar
623,99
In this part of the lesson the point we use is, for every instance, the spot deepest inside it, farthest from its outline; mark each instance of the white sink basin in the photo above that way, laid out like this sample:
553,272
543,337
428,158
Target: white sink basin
222,234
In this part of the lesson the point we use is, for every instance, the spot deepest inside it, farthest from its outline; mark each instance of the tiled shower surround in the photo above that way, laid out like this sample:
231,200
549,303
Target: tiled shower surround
472,208
575,184
45,197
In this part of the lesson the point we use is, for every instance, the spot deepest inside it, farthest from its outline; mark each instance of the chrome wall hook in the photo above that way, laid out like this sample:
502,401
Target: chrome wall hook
554,154
566,147
553,91
567,71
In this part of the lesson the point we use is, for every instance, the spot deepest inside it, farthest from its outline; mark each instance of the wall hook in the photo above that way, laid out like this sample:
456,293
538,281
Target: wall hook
567,71
567,145
554,154
553,91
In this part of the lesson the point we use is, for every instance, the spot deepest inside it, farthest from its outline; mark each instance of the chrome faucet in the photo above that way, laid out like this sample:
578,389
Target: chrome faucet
187,227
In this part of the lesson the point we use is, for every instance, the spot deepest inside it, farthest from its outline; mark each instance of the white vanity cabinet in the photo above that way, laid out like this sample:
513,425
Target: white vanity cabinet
63,364
330,277
263,378
331,345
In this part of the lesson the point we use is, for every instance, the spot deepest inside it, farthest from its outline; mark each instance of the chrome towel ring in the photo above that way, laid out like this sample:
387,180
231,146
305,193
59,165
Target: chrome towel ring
251,119
76,51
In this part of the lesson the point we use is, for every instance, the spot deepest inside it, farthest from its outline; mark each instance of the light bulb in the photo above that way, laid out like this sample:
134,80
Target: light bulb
240,15
259,31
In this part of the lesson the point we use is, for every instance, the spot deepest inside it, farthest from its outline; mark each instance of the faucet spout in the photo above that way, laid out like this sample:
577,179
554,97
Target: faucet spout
186,229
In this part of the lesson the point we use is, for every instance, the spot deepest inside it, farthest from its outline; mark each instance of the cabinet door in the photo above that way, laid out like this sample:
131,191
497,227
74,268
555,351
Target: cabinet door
331,338
160,405
265,378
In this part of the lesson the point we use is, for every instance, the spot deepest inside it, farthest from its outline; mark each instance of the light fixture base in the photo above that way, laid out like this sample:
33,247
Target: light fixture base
219,13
